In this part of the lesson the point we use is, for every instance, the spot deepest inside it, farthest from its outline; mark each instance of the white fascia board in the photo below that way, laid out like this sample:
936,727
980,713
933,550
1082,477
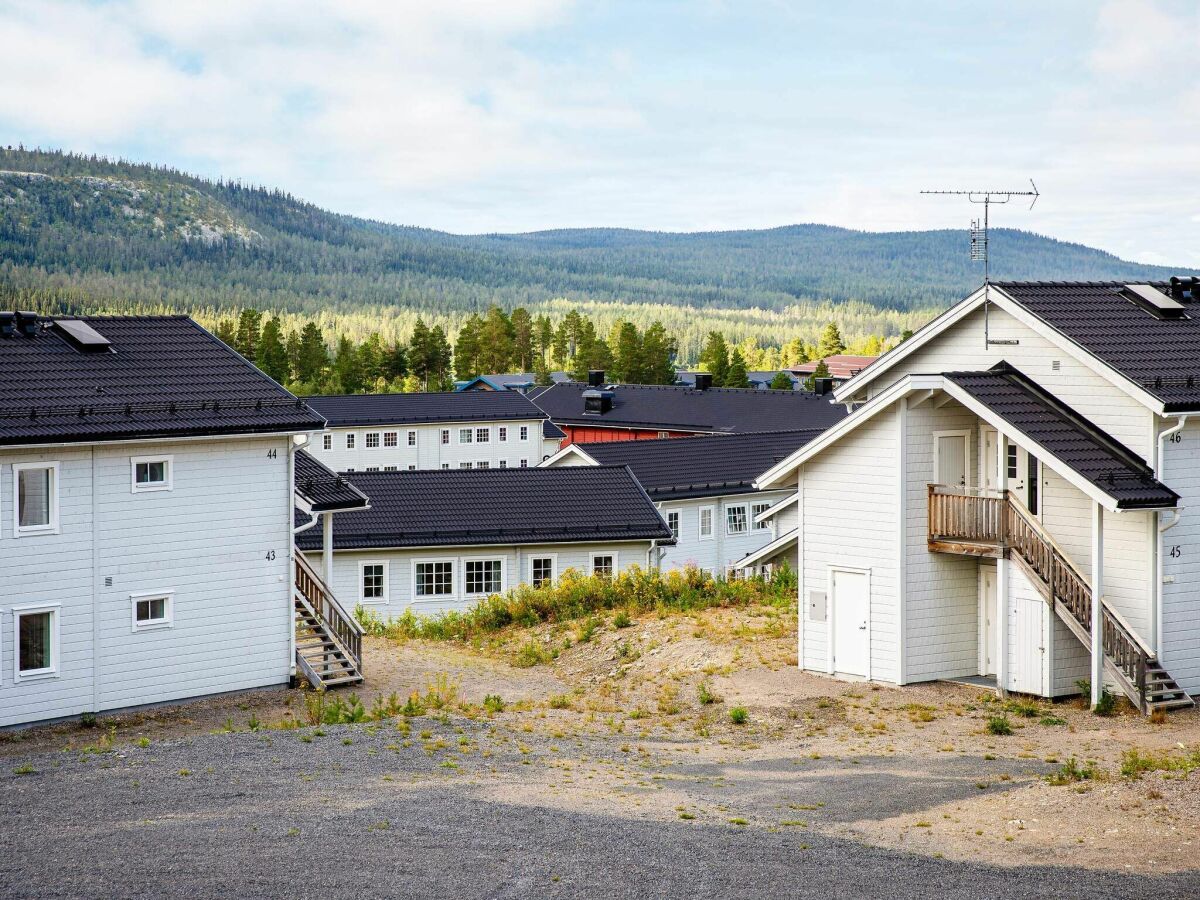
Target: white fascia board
564,453
768,550
777,508
774,476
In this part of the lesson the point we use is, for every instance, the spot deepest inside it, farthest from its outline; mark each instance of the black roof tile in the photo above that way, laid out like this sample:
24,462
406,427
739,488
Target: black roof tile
460,507
164,377
1069,437
420,408
323,489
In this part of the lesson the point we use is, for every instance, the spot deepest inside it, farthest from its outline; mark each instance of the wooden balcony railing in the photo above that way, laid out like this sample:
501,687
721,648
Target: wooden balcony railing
320,600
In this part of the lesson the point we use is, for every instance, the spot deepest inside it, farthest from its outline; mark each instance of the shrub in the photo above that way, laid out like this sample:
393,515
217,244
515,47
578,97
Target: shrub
622,620
560,701
999,725
529,655
1134,763
738,715
1070,772
493,704
705,694
1108,701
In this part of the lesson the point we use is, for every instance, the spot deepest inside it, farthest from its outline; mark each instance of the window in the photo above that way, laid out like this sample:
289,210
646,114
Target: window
445,435
541,570
373,581
706,522
502,433
349,440
466,435
524,432
664,434
482,464
151,611
150,473
466,465
757,510
412,439
504,463
389,468
433,579
735,520
35,505
673,522
524,464
391,438
372,468
372,440
37,641
483,435
1011,453
483,576
604,564
327,441
412,468
445,465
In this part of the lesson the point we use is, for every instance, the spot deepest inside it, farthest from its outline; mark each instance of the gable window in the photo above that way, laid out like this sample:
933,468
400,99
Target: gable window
390,438
673,523
327,441
757,510
524,432
412,439
433,579
706,522
35,505
483,435
349,440
151,611
604,564
150,473
541,570
445,435
735,520
483,576
502,433
466,435
372,440
373,581
37,641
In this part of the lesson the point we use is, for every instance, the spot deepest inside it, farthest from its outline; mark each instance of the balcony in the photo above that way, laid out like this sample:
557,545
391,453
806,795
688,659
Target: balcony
967,522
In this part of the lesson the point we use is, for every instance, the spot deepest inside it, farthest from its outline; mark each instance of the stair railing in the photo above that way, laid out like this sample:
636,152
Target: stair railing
320,599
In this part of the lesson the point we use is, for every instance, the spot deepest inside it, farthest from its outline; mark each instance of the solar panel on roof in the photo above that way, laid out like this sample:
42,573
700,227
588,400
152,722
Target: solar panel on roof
83,336
1167,307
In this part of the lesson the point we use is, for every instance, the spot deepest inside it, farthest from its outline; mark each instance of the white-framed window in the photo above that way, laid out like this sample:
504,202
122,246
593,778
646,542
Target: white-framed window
524,464
673,517
466,465
483,577
445,435
391,438
466,435
35,498
1010,453
483,435
152,611
502,433
372,440
757,510
483,464
735,519
664,434
350,440
412,467
373,581
504,463
543,569
705,522
327,441
445,465
524,432
391,468
36,630
412,439
372,469
151,473
604,564
433,578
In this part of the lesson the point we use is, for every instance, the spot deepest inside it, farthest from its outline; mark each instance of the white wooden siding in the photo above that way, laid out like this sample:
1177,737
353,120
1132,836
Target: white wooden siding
722,550
430,452
1181,573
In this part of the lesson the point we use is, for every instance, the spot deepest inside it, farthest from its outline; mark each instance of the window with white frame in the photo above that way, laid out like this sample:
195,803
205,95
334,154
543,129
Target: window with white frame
604,564
673,522
466,435
1010,453
541,570
483,464
372,468
327,441
735,520
36,631
412,467
483,576
483,435
445,435
150,473
524,432
502,433
466,465
35,501
757,510
412,439
664,434
504,463
151,611
391,468
350,440
372,440
445,465
373,581
706,522
391,438
524,464
433,579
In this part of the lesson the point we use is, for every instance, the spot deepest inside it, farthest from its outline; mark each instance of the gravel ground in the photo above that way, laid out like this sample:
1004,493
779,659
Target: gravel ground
479,809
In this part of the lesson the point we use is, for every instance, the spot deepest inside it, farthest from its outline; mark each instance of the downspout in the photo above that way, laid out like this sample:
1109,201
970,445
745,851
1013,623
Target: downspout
290,578
1163,527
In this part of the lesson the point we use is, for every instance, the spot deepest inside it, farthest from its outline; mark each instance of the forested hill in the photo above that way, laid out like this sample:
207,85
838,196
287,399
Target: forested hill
86,231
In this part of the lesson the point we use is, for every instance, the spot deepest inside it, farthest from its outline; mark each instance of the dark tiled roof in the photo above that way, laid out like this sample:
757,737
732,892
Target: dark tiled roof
413,409
1161,355
459,507
1068,436
552,432
674,408
166,377
705,466
323,489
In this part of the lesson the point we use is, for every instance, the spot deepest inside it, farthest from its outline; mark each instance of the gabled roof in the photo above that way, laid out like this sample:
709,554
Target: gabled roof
704,466
675,408
509,381
323,489
461,507
552,432
758,379
161,376
1072,439
840,365
423,408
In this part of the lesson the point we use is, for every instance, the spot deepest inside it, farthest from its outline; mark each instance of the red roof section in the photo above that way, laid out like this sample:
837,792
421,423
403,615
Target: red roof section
841,365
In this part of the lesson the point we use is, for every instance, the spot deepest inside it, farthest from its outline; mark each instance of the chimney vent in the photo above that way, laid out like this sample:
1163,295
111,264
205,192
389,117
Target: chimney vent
8,324
597,402
595,378
822,385
27,323
1189,284
703,381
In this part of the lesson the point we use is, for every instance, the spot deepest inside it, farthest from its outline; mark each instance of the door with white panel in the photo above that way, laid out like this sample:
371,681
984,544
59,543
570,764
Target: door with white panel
1027,629
950,458
988,635
851,599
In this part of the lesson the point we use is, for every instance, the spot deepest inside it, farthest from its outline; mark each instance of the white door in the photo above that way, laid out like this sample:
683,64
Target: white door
988,459
987,614
1027,645
851,598
950,459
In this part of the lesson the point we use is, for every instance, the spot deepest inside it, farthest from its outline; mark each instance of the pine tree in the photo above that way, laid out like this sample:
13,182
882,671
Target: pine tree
781,382
831,342
440,357
272,354
494,350
658,355
737,376
226,330
545,337
372,359
347,367
821,371
395,363
522,339
248,333
421,353
541,375
293,351
313,357
715,358
466,349
626,346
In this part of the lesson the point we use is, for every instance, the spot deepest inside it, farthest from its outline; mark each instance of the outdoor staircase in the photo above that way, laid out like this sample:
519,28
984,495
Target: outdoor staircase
981,524
328,639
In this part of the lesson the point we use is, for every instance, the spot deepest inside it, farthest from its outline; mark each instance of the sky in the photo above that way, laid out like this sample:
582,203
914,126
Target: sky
476,115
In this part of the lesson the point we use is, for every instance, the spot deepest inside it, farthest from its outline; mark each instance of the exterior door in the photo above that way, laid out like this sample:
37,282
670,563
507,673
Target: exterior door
851,595
1027,645
989,460
988,635
950,458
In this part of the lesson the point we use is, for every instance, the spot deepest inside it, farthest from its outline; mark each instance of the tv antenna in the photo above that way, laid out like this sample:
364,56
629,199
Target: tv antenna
979,231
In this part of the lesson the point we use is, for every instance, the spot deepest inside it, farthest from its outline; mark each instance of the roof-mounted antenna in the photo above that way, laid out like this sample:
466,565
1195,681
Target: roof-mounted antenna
979,235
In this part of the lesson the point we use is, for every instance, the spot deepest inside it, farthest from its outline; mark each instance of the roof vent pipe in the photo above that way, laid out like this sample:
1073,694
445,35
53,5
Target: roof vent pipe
8,324
703,381
27,323
1190,284
595,378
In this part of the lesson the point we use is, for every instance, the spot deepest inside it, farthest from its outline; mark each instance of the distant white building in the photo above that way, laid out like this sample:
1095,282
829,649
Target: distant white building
448,430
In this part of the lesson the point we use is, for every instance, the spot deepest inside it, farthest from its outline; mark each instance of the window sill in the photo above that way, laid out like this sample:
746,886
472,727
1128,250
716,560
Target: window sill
151,488
378,601
152,626
437,598
35,531
37,675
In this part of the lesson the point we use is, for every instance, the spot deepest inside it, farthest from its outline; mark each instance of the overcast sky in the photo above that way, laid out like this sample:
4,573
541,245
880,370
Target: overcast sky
513,115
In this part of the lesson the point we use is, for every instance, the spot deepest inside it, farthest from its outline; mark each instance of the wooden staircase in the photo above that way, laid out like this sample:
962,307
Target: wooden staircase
978,524
328,640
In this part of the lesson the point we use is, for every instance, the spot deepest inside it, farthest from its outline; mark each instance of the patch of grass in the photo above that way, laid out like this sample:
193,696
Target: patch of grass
919,712
739,716
1135,763
1071,772
1108,701
1051,721
25,769
668,699
88,720
686,816
705,694
560,701
1026,709
999,725
738,821
622,620
529,656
